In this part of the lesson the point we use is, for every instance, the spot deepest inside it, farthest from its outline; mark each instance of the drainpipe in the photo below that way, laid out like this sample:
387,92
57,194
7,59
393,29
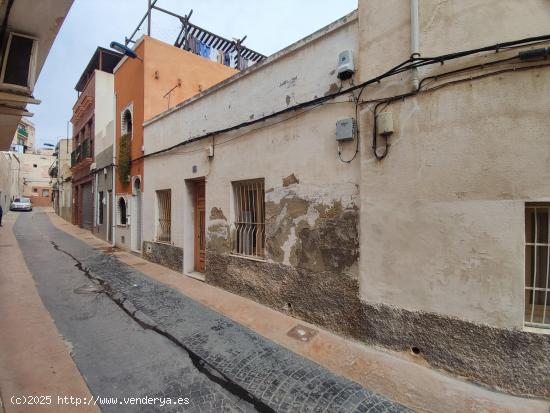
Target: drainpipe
415,42
113,190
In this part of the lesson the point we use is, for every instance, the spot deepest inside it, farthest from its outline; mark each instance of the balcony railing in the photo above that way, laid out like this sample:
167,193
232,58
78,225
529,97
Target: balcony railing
81,152
53,170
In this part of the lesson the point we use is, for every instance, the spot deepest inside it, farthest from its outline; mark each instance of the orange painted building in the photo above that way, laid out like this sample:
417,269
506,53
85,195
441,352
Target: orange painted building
165,76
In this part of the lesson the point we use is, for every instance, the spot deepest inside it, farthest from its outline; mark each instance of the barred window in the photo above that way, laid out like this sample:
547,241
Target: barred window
537,260
164,215
249,231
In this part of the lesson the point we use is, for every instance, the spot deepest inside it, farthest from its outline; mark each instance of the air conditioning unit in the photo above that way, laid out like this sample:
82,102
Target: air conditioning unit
19,62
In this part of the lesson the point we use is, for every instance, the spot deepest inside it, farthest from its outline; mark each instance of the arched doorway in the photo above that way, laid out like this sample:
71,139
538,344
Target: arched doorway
136,214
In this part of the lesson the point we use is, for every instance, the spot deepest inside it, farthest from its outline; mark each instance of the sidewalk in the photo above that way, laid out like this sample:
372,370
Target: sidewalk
400,377
34,358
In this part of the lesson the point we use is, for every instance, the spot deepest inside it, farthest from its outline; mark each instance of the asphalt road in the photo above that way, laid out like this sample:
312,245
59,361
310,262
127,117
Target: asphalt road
132,337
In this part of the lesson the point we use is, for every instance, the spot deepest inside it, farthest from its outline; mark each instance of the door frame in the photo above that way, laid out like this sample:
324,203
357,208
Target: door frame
199,233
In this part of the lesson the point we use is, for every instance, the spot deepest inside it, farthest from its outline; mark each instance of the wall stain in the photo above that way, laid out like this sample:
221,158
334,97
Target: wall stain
290,180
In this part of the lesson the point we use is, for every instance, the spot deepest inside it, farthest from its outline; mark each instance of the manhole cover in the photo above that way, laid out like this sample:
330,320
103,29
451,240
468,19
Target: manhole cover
302,333
89,289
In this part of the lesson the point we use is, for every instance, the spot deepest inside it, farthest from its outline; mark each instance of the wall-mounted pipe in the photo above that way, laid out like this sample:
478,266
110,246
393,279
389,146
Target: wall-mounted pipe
113,177
415,40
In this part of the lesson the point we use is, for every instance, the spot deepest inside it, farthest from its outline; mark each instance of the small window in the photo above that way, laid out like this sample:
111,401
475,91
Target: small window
34,165
45,192
19,65
121,211
35,189
249,234
537,257
100,202
164,215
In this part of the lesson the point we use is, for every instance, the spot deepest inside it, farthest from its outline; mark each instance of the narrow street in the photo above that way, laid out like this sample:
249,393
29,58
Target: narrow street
133,337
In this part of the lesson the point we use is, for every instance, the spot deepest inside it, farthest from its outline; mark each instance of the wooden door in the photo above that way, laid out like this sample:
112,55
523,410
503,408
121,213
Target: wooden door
200,227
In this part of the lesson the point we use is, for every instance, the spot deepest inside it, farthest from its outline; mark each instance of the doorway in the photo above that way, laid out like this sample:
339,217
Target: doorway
136,215
200,227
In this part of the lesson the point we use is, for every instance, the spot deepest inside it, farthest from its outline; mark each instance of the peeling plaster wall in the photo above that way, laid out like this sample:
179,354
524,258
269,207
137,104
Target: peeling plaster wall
442,217
311,197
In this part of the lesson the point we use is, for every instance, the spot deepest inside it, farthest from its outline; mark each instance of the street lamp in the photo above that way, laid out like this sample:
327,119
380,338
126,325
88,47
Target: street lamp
125,50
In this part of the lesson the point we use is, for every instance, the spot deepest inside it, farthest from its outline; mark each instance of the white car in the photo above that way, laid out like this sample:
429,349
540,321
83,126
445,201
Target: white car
21,204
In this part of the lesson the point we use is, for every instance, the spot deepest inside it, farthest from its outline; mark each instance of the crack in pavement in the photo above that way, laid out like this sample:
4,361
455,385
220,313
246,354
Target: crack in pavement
201,365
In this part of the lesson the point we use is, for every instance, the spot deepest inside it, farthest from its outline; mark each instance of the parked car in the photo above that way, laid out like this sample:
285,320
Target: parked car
21,204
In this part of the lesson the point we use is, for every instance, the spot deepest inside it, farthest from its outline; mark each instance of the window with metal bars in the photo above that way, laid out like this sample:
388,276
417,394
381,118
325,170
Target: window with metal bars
249,232
537,260
164,215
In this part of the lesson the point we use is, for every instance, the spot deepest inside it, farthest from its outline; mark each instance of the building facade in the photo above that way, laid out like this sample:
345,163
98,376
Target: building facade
24,138
426,244
92,114
10,181
144,88
61,175
29,30
36,182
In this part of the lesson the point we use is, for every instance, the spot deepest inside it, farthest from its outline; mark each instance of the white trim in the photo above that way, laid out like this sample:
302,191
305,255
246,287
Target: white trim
129,108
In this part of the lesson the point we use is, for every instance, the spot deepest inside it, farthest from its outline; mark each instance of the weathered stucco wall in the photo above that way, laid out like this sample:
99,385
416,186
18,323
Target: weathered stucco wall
442,216
10,184
420,252
299,73
311,197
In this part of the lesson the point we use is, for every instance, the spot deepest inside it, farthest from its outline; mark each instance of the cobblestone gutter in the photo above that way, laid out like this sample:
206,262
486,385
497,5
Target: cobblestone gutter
271,377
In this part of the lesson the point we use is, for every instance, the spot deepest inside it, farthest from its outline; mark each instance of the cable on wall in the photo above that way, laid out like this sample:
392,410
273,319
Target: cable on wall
407,65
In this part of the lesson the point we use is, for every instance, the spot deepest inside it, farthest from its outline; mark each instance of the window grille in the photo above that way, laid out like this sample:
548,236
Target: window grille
249,231
100,208
121,211
537,260
164,221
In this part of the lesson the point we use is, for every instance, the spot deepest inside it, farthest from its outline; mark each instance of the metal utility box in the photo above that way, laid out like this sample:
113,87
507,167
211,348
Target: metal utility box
346,65
345,129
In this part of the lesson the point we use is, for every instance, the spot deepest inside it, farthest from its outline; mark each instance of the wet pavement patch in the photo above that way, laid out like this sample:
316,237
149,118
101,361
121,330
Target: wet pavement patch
302,333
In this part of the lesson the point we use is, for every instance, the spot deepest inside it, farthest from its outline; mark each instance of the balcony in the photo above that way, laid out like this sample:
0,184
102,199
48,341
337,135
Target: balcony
82,152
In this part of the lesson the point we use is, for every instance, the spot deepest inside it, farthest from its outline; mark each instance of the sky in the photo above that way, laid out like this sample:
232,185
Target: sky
270,25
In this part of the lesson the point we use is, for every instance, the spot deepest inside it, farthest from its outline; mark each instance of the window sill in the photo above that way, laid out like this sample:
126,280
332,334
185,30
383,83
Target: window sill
537,330
163,242
121,225
248,257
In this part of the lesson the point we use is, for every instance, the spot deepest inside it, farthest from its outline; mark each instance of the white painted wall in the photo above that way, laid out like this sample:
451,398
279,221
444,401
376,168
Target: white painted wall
442,217
104,110
304,145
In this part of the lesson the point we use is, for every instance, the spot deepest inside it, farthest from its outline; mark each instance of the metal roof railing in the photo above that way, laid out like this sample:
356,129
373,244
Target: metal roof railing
207,37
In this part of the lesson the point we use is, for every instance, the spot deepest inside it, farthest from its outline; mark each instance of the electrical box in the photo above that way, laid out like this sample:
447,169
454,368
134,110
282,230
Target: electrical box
345,129
384,123
346,66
